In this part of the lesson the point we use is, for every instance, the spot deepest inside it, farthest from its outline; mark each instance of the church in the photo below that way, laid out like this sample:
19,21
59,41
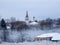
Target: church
29,22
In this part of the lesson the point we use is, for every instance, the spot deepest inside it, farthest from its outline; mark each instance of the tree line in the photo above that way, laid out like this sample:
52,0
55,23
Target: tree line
22,25
50,23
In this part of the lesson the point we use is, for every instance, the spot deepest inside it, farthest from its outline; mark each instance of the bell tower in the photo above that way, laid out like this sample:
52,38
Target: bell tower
27,18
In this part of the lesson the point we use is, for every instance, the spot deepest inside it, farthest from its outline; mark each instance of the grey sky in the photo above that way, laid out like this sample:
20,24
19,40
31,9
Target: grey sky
41,9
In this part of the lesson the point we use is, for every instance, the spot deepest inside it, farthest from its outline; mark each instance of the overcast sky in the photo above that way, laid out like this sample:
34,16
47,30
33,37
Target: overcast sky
41,9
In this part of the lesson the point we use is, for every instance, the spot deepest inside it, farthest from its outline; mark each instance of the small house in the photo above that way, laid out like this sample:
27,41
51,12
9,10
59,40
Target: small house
48,36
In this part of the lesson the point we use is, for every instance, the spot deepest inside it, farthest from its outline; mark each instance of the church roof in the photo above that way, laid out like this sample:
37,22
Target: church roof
33,23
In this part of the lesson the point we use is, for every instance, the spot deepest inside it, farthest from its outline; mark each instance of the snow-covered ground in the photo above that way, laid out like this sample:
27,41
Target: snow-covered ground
32,43
28,36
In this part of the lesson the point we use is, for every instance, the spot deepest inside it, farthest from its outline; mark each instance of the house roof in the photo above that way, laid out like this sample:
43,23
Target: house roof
33,23
8,27
55,36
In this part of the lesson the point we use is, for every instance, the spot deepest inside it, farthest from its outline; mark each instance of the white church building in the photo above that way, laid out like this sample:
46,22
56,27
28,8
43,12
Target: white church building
28,22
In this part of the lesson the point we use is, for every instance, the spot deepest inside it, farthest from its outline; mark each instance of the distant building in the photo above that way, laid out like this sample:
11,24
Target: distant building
8,25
